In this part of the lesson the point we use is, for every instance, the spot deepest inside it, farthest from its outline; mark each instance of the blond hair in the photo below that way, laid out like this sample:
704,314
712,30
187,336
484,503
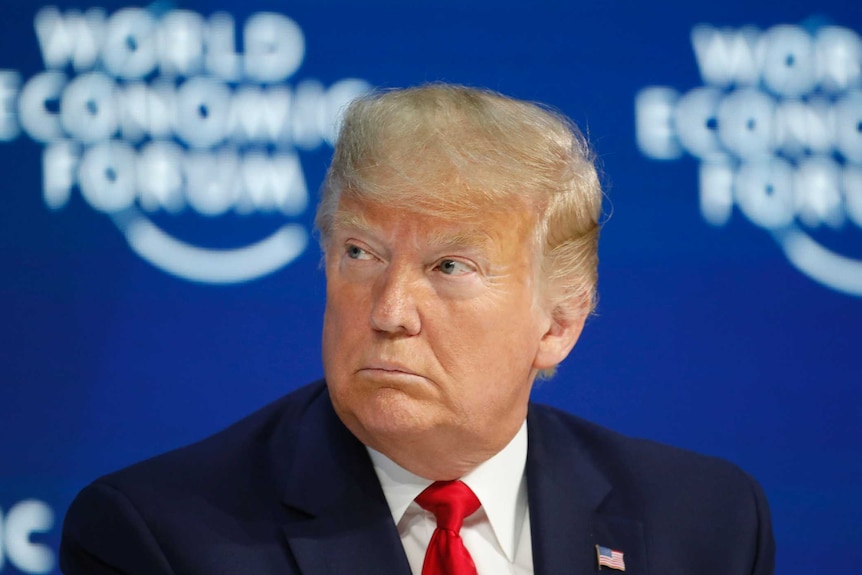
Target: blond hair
455,152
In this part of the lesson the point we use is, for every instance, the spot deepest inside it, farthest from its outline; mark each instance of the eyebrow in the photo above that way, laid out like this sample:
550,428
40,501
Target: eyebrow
476,238
440,239
345,219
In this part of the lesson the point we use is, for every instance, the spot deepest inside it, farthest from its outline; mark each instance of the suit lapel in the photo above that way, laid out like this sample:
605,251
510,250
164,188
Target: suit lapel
567,492
340,521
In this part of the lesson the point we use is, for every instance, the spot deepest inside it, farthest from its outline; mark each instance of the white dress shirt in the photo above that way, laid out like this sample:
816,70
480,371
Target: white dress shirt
497,535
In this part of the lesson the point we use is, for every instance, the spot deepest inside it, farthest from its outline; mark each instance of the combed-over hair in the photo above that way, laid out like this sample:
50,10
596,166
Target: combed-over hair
457,152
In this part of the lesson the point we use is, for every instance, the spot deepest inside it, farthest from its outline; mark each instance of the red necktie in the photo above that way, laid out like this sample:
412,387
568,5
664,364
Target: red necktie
450,502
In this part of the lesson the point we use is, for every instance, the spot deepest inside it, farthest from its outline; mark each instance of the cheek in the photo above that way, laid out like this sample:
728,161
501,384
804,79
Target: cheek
345,324
500,344
340,331
335,331
485,346
345,300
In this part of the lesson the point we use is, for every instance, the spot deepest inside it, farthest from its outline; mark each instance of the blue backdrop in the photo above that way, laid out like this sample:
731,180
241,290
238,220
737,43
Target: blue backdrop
160,167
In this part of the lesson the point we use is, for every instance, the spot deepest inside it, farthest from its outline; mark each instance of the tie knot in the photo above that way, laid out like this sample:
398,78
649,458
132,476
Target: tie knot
450,502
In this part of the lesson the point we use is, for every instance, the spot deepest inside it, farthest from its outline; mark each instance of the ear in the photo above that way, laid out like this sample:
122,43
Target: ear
561,336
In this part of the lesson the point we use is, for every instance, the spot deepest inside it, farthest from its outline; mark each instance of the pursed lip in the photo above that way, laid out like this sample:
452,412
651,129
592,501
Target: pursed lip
389,367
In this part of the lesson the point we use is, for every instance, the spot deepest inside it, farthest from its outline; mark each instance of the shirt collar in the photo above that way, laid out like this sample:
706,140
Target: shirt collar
498,483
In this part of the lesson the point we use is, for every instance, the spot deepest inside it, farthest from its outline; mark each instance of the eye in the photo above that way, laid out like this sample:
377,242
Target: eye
354,252
454,267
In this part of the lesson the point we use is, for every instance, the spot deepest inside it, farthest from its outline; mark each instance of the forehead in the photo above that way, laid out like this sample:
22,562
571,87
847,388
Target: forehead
476,228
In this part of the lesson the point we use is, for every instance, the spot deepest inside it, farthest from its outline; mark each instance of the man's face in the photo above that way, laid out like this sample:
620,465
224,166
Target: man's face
433,331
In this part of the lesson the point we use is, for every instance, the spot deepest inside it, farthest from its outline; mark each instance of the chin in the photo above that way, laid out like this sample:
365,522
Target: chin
390,413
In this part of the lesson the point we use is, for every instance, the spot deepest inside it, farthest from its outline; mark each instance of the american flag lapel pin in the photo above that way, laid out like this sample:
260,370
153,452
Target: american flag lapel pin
610,558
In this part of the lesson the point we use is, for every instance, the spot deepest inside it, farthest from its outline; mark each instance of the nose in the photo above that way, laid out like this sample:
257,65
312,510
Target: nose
394,310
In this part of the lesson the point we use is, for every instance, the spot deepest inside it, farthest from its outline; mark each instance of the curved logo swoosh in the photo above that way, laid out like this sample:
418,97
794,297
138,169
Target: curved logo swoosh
834,270
212,265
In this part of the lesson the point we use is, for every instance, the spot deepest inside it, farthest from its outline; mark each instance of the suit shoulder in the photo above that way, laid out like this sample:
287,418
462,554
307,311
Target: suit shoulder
695,509
229,453
643,463
200,501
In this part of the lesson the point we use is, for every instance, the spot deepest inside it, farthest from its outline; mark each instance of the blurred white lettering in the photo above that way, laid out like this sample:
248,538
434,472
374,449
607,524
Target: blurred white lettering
777,128
24,519
87,108
71,38
10,84
38,94
132,43
144,111
745,124
787,59
163,176
697,123
59,162
274,47
773,193
202,112
129,48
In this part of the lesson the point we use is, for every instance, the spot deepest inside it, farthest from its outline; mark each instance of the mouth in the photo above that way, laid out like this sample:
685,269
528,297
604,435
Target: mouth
389,370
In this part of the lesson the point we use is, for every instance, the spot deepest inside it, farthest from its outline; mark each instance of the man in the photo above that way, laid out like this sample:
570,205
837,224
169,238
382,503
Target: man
460,233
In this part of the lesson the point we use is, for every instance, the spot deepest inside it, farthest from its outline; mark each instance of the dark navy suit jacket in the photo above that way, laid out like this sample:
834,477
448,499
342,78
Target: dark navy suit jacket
290,490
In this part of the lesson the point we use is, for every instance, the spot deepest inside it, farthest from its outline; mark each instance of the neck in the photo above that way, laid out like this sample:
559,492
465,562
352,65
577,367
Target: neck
437,457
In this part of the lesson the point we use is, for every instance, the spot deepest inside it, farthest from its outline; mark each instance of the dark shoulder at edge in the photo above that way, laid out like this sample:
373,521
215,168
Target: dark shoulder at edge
233,447
639,459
